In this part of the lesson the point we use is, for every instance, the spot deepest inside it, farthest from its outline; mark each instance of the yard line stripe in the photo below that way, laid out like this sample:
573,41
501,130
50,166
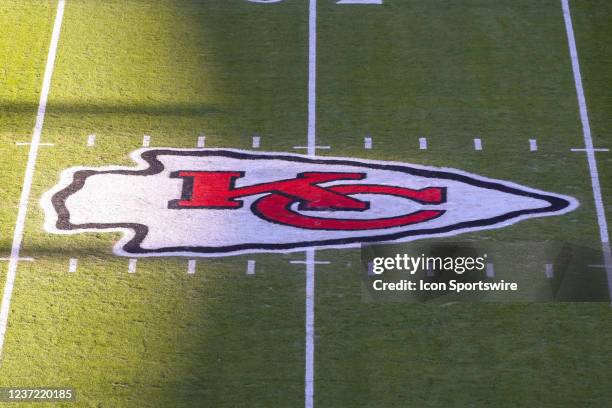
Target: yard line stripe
250,267
371,269
256,142
585,150
29,174
29,143
91,140
312,147
367,143
477,144
146,141
72,265
201,141
588,143
422,143
312,77
549,271
26,259
310,320
359,2
310,252
132,265
533,145
191,266
490,271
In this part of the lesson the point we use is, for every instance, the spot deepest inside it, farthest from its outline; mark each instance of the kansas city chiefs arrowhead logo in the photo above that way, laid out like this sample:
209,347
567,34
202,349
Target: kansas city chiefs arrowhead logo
212,202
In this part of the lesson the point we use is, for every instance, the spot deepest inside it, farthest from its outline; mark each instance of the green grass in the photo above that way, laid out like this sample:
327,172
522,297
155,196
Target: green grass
232,69
24,43
593,20
160,337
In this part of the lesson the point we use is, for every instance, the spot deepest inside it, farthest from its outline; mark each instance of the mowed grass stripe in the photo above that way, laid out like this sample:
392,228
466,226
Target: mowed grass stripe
26,189
448,72
593,34
24,41
173,71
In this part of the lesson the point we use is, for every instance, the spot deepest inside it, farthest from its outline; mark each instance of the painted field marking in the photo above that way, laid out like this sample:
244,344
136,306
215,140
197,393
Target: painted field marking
256,142
490,271
191,266
91,140
359,2
24,259
309,328
367,143
586,150
371,269
549,271
312,147
588,143
29,174
306,262
201,141
533,145
312,80
250,267
422,143
132,265
146,141
72,265
310,253
28,144
477,144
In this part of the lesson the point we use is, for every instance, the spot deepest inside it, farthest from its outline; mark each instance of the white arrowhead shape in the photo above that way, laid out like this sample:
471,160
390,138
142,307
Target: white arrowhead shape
135,201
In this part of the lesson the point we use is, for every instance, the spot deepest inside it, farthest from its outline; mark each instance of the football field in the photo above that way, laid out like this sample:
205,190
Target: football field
489,87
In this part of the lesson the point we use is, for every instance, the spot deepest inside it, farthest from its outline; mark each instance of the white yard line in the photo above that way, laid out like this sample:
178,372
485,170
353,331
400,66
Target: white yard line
477,144
26,259
29,143
367,143
191,266
29,174
588,144
312,77
310,253
250,267
359,2
132,265
146,141
490,271
422,143
313,147
549,271
310,322
306,262
91,140
533,145
576,149
201,141
72,265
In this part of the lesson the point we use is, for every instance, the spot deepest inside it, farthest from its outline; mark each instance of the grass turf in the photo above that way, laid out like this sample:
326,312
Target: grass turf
177,69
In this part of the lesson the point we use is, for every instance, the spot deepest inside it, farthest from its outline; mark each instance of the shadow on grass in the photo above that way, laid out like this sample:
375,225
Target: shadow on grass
125,108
